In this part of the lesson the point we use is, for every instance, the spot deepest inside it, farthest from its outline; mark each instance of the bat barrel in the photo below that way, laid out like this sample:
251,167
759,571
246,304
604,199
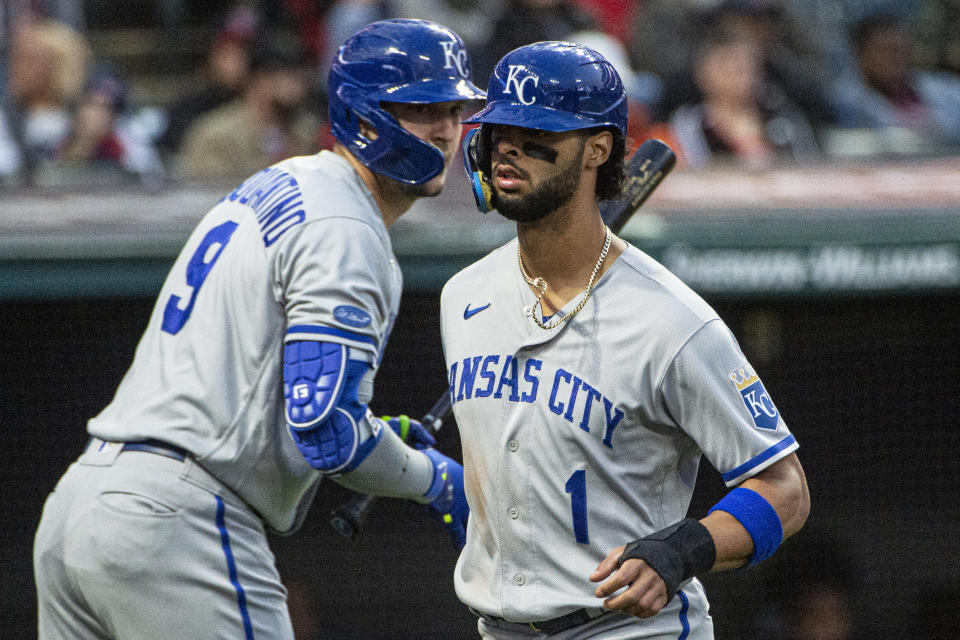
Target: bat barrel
649,164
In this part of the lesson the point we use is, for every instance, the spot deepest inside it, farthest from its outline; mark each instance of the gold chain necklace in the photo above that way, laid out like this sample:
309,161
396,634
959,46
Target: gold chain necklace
541,284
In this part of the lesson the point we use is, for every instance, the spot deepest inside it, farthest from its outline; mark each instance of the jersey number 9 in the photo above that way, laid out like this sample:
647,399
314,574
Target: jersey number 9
198,268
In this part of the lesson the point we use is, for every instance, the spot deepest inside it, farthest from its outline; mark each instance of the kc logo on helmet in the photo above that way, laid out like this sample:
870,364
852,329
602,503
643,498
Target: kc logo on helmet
519,82
454,56
756,398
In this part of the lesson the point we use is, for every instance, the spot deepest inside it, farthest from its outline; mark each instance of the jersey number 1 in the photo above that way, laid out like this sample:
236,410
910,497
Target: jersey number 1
577,488
197,271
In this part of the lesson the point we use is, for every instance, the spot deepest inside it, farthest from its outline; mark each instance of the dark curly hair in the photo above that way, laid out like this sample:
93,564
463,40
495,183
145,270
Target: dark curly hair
610,175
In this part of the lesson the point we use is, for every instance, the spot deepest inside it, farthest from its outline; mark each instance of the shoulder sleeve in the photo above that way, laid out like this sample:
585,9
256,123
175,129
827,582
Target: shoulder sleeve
339,282
715,396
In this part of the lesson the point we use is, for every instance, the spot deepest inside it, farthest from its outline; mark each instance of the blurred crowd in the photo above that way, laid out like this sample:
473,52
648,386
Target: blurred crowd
749,83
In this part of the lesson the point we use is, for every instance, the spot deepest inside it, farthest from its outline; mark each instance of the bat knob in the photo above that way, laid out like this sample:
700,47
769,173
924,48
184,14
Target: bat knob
347,520
342,526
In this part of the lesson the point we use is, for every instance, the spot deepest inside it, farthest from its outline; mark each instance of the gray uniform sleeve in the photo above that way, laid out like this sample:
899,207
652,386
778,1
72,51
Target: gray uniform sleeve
335,280
715,396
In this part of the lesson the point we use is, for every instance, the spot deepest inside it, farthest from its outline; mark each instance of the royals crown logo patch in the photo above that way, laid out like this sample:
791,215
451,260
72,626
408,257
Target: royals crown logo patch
756,398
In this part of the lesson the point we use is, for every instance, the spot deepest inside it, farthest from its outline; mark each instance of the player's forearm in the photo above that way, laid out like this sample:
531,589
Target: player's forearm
392,469
731,539
784,487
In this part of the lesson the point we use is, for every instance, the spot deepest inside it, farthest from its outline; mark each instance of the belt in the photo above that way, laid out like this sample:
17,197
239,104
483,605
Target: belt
193,472
561,623
564,622
157,447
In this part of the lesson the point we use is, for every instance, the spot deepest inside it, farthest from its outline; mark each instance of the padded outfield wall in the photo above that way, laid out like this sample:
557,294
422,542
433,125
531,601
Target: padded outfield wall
842,285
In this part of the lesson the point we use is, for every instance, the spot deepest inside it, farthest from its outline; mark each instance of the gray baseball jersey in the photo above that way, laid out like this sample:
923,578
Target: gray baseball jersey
587,436
297,252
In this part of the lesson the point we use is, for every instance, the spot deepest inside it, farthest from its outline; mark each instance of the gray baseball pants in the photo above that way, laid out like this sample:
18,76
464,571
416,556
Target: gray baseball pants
138,545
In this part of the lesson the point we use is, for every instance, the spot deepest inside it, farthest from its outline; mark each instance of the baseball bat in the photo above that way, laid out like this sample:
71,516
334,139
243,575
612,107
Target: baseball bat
348,518
644,172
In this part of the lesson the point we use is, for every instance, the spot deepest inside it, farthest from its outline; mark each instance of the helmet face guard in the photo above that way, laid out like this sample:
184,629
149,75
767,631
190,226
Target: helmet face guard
550,86
406,61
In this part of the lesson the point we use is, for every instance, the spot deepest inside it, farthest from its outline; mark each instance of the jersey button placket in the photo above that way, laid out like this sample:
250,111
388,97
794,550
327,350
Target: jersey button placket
516,555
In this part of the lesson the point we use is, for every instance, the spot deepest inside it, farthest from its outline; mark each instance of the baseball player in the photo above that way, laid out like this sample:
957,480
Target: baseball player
587,381
253,378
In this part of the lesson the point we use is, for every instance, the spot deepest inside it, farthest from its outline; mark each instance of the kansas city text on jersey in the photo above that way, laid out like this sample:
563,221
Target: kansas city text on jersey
518,380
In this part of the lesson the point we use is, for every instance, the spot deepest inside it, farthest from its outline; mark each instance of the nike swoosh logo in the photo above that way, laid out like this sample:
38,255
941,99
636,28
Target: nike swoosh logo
469,313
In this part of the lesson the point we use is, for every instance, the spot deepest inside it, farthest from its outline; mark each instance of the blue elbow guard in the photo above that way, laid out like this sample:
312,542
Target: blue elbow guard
323,412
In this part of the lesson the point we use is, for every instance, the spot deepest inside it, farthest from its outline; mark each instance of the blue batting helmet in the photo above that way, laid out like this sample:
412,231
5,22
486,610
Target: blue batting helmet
555,86
411,61
551,86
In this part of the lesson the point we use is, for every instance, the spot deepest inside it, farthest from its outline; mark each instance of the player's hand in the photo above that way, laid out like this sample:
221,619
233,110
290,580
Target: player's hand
646,592
410,431
450,504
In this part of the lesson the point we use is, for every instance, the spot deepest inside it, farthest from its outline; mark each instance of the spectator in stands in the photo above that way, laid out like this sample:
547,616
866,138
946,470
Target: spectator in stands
937,34
471,19
663,38
267,123
739,119
890,91
14,12
103,138
47,71
644,89
520,22
308,19
613,17
346,17
666,37
223,75
11,158
791,55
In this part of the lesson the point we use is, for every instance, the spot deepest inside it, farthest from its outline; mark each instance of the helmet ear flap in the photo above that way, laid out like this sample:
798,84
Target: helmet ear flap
483,148
476,162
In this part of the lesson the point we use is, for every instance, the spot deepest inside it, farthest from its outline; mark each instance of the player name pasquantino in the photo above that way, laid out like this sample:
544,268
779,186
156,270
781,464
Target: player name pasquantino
516,380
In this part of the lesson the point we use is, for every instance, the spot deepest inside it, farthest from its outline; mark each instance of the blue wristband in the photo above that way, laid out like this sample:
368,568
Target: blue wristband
758,517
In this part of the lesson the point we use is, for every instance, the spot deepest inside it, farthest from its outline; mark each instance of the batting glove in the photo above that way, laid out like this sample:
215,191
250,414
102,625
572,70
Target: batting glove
447,498
410,431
